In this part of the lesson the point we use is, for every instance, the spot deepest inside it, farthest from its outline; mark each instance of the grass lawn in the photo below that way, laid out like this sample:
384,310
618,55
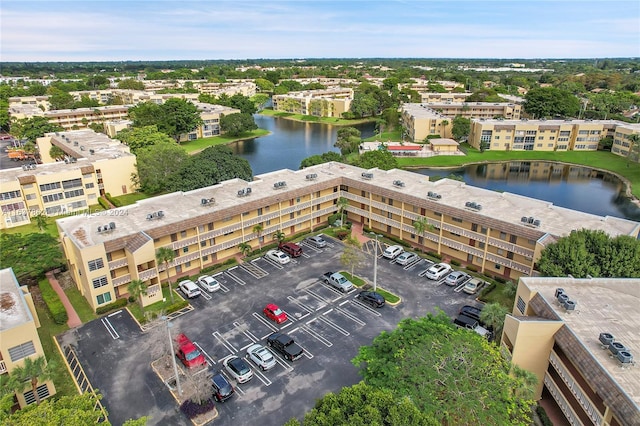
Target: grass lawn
394,136
594,159
155,308
80,304
359,282
496,295
131,198
195,146
313,119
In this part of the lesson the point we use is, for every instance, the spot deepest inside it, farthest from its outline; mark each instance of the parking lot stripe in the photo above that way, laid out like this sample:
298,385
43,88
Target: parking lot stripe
350,316
233,277
250,335
269,261
225,343
262,320
334,325
326,312
286,325
205,294
367,308
302,305
115,313
317,296
316,336
289,316
281,362
112,331
205,353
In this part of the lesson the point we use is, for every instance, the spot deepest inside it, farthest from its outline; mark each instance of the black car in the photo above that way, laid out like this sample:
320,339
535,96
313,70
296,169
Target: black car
222,389
371,298
471,312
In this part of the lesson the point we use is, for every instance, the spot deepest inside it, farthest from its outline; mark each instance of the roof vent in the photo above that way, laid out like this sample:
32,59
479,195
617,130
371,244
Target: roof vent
82,148
29,167
625,357
207,201
75,143
569,305
433,195
616,347
367,175
473,205
530,221
559,291
398,183
155,215
563,297
606,339
280,185
108,227
312,176
92,151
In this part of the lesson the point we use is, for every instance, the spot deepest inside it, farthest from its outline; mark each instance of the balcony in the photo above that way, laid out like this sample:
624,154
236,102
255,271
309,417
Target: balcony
184,243
511,247
121,280
509,263
118,263
148,274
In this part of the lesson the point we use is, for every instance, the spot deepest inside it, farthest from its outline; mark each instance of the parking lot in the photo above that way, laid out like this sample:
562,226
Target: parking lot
328,324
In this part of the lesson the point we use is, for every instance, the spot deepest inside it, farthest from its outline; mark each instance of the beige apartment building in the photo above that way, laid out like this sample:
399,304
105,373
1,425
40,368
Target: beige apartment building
580,337
319,103
498,233
439,98
94,165
19,335
550,135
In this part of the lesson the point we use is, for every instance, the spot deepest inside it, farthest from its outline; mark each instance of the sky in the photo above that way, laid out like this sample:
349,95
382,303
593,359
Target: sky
108,30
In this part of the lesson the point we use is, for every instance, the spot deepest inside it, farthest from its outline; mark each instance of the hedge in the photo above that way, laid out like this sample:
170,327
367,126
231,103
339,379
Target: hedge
105,205
53,302
543,416
112,200
118,304
455,262
472,268
177,306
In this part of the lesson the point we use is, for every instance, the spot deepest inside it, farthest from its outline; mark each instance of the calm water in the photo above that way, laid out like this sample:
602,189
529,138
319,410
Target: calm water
573,187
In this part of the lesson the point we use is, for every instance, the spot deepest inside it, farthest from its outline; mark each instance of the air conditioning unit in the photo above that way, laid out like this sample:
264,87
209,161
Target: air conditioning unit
398,183
366,175
606,339
616,347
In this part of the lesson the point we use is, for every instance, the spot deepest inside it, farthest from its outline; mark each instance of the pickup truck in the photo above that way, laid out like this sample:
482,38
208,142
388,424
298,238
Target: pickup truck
337,280
285,345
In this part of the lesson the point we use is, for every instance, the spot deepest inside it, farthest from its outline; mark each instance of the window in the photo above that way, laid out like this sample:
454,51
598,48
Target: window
73,183
43,392
500,252
49,186
185,249
52,197
9,195
21,351
96,264
497,266
455,219
183,234
103,298
521,305
30,196
474,227
89,186
503,235
99,282
298,200
203,243
513,239
74,193
481,245
483,230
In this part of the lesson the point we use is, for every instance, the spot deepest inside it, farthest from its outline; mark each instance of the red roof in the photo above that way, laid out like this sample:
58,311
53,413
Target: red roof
404,148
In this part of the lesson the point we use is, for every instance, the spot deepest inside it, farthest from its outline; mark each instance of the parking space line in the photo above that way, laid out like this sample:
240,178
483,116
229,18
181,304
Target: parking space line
315,335
412,265
334,325
269,261
222,286
112,331
233,277
312,247
317,296
212,362
205,294
350,316
306,255
281,362
302,305
460,287
237,386
289,316
359,304
225,342
262,320
261,376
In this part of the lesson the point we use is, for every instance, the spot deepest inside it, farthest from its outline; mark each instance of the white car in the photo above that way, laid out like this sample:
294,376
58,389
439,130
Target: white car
189,288
277,256
238,369
261,357
407,258
438,271
209,283
392,252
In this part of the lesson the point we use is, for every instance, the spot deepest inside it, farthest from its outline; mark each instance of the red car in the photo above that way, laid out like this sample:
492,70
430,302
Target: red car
292,249
274,313
189,353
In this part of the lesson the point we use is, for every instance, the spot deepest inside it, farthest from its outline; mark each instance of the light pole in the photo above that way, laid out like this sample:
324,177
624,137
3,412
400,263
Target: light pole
173,357
375,261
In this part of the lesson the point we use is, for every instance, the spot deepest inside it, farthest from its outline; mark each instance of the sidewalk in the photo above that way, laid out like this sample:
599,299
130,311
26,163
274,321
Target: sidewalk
74,319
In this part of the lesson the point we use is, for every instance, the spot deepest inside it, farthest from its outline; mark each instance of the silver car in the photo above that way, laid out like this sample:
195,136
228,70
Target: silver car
407,258
456,278
209,283
238,369
261,357
317,241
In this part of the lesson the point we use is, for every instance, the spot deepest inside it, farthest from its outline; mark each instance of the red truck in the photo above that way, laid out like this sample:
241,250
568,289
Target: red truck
189,353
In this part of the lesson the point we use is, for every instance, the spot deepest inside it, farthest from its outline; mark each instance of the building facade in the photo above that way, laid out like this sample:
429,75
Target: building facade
19,335
504,236
319,103
578,373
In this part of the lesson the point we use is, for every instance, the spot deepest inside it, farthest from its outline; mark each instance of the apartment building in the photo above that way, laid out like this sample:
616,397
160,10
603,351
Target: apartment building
622,142
71,119
319,103
499,233
19,335
420,121
438,98
210,115
579,337
94,165
549,135
506,110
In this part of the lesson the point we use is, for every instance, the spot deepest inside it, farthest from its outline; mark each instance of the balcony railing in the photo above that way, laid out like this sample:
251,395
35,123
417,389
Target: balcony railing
564,405
148,274
508,263
121,280
118,263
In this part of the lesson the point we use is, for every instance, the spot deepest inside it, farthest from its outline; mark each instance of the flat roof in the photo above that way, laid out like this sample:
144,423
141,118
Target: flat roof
421,111
13,174
88,144
558,122
603,305
13,308
180,206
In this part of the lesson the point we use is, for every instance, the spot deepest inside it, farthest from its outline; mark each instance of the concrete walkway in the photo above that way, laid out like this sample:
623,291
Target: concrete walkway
74,319
358,234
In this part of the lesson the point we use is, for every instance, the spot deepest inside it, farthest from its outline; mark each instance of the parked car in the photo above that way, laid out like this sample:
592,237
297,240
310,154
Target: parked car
316,241
284,344
471,311
188,353
274,313
222,389
438,271
292,249
456,278
337,280
261,357
189,288
473,286
238,369
277,256
407,258
371,298
392,252
209,283
464,321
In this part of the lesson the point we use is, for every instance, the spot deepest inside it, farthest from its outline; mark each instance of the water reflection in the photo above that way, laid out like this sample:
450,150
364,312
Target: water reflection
575,187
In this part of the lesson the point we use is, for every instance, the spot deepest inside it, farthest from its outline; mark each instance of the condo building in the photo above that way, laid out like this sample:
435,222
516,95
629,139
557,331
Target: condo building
319,103
500,234
580,337
19,338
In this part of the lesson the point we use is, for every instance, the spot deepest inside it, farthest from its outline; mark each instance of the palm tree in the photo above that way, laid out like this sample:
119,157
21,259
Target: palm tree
35,371
137,289
41,221
493,315
342,204
444,123
279,235
166,255
258,230
421,225
245,249
634,147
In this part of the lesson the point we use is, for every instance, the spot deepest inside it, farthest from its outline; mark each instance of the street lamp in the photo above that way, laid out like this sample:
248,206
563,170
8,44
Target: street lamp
173,358
375,261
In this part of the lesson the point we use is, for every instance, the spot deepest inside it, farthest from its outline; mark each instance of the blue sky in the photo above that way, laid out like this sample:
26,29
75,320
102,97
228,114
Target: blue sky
100,30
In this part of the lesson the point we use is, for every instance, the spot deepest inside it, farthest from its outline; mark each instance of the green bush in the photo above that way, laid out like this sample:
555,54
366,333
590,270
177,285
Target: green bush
112,200
434,254
105,205
500,279
487,290
332,218
228,262
455,262
53,302
472,268
546,421
341,235
398,241
118,304
177,306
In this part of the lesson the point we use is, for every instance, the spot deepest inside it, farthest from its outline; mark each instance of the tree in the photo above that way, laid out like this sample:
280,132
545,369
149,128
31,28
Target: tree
178,117
279,235
348,140
157,166
142,137
41,221
131,84
382,159
444,124
137,289
448,372
33,128
264,85
364,405
78,409
352,256
33,372
634,147
342,204
56,152
320,159
214,164
245,248
461,128
552,102
145,114
493,315
166,255
421,225
237,124
18,251
591,252
59,99
257,229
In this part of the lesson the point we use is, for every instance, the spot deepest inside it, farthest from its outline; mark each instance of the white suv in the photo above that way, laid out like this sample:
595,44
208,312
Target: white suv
438,271
189,288
392,252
